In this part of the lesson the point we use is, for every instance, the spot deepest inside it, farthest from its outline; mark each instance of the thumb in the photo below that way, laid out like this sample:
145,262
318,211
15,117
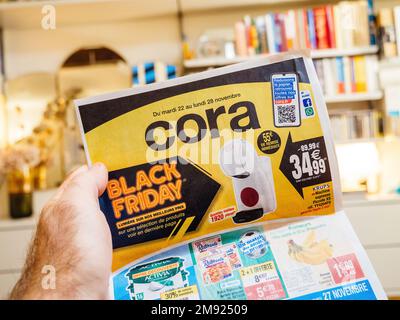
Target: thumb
85,182
99,174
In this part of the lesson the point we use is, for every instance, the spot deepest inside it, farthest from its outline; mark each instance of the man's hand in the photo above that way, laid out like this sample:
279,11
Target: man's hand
73,237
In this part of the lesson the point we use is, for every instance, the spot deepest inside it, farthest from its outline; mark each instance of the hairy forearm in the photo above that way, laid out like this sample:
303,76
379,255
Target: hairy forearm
52,268
46,274
70,257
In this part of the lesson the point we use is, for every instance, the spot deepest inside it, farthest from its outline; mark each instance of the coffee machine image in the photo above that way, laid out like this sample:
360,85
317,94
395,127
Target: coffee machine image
252,180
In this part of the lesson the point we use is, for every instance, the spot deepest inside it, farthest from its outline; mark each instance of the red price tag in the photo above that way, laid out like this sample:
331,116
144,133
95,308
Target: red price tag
345,268
269,290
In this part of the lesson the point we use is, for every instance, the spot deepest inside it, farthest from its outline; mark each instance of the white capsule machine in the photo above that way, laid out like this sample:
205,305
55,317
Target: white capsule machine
252,180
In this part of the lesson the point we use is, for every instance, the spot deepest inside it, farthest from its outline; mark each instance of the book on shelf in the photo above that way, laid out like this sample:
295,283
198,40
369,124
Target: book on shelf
359,124
262,36
361,31
311,29
270,34
240,39
387,32
392,125
396,13
388,23
372,23
321,28
344,25
280,33
349,85
346,75
359,72
290,28
339,72
330,25
392,108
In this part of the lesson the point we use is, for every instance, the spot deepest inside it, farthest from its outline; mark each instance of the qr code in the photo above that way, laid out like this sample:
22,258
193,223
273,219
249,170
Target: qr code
287,114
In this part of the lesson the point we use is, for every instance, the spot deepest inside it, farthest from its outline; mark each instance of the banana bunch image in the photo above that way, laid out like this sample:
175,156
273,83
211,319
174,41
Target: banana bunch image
311,252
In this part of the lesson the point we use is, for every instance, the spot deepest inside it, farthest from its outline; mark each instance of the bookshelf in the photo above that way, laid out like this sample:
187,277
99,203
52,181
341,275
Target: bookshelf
346,61
316,54
354,97
332,53
203,5
203,63
388,63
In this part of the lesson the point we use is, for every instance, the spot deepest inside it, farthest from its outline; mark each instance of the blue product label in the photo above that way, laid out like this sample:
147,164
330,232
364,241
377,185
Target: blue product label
156,277
285,98
360,290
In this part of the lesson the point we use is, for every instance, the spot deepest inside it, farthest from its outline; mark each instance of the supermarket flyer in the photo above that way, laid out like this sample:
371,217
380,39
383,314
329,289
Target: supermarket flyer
210,152
224,185
316,259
